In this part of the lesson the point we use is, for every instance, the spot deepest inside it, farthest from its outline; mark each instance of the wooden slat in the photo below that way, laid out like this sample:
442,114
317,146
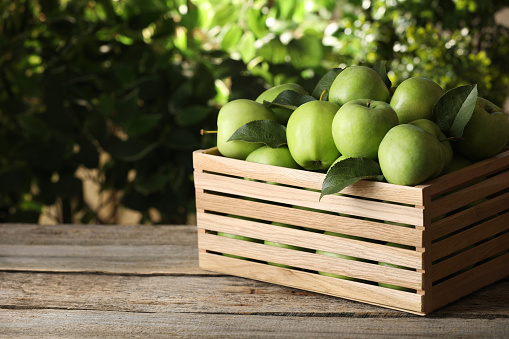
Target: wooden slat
210,160
469,237
311,240
310,219
410,302
310,199
470,257
468,174
311,261
469,281
469,216
470,194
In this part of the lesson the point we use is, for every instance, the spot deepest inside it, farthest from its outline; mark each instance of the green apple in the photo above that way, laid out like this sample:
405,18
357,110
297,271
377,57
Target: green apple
358,82
277,244
360,125
233,115
409,155
486,133
396,266
282,113
342,256
430,127
414,99
309,135
273,156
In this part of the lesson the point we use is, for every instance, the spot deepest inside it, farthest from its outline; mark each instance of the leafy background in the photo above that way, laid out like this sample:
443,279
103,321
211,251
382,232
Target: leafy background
101,102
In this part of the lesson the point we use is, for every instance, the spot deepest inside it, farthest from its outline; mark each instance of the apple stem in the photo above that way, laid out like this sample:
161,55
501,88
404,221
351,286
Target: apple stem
203,132
323,93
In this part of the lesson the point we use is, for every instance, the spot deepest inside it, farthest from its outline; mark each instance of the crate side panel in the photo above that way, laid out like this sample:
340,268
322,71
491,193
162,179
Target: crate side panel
468,216
469,174
379,231
301,259
470,281
311,240
470,236
470,194
302,178
310,199
470,257
409,302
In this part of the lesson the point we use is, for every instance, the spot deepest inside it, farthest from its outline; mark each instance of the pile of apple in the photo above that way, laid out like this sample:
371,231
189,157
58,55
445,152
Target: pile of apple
361,116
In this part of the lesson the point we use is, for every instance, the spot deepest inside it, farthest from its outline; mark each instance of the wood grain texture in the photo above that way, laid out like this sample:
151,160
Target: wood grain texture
100,324
469,216
134,249
310,199
348,289
311,240
211,161
331,222
471,236
469,174
312,262
471,194
188,302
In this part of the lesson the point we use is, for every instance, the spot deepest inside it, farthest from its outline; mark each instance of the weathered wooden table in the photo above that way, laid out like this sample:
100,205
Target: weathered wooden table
144,281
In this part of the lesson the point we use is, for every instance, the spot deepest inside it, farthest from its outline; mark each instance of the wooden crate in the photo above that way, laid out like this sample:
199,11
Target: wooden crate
456,227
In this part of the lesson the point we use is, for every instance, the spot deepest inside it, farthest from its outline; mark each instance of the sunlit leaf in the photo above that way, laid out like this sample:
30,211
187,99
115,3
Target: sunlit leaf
348,171
267,132
325,82
454,109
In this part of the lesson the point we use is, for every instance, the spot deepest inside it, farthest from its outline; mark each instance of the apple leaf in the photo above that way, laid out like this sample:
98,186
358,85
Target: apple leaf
324,83
289,99
454,109
349,171
267,132
381,69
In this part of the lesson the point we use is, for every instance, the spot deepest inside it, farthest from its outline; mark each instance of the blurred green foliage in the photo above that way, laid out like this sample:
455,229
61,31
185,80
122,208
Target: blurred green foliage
125,86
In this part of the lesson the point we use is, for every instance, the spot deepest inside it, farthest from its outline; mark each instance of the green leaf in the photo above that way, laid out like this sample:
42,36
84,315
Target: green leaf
193,114
289,99
153,183
306,52
349,171
35,125
325,82
381,69
246,47
141,124
268,132
274,52
454,109
256,22
231,37
224,14
129,150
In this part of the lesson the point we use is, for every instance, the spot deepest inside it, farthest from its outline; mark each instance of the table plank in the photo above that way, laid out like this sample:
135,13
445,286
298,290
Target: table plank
118,281
132,249
101,324
97,235
145,259
209,295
